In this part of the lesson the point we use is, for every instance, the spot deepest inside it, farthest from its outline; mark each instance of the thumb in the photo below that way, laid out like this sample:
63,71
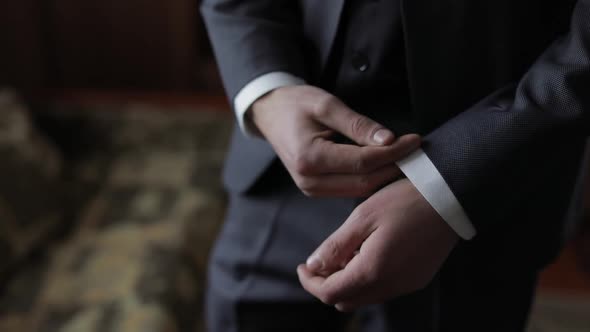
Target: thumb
340,247
359,128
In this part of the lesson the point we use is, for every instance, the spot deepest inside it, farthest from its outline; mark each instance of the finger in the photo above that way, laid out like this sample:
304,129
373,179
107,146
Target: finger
373,286
341,286
311,282
330,157
354,185
348,261
359,297
370,294
362,130
341,245
316,285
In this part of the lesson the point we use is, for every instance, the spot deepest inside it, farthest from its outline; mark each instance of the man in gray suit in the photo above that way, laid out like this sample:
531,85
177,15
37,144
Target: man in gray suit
481,105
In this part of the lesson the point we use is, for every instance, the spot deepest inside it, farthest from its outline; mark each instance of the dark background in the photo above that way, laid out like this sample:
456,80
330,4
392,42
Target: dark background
108,44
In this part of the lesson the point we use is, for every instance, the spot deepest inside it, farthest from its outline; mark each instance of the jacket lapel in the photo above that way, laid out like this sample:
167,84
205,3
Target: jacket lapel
323,19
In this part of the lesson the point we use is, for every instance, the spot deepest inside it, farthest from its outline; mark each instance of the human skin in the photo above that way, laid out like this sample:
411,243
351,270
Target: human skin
300,122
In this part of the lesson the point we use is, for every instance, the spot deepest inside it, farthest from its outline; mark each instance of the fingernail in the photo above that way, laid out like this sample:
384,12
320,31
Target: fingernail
383,136
314,263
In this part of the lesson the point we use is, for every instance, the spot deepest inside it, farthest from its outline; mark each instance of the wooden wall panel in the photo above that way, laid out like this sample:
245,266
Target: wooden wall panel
125,43
22,54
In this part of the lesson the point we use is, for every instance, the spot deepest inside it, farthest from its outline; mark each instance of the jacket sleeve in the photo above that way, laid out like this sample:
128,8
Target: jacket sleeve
254,37
515,154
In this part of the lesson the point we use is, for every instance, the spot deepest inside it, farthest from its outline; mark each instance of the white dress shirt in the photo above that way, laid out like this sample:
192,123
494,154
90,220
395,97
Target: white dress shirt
417,167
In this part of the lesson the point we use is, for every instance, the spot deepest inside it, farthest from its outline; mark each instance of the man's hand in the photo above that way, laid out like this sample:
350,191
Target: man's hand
300,123
392,244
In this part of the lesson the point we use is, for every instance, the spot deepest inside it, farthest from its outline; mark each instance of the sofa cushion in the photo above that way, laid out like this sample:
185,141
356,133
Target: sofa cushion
31,191
137,259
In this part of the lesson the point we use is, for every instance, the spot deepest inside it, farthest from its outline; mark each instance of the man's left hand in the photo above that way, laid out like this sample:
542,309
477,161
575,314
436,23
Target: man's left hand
392,244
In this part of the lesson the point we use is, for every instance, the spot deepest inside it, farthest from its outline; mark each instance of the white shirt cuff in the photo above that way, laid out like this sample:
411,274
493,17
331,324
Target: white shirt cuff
256,89
420,170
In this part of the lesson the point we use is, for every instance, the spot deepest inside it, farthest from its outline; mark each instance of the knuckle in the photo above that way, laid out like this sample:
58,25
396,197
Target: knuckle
323,105
361,215
371,275
365,182
304,165
333,249
358,126
329,297
305,184
360,164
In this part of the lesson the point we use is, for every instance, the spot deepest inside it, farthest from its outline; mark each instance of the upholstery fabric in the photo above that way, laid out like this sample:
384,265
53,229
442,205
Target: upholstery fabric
135,258
31,195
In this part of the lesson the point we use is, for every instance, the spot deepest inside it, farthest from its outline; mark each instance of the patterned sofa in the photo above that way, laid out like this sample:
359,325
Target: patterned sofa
107,214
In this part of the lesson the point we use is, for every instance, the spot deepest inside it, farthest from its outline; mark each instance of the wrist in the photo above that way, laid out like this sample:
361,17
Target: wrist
261,108
433,218
254,113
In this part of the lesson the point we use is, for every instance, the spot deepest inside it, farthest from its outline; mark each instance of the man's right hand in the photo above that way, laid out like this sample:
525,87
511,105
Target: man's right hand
300,123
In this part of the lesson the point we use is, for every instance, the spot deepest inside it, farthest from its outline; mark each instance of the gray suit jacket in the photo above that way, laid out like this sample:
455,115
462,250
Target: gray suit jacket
500,89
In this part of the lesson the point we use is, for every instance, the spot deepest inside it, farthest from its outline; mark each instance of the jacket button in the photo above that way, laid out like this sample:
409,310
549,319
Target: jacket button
360,62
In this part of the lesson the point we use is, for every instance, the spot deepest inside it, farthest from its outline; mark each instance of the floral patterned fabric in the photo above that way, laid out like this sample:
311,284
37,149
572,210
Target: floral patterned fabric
31,188
136,255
